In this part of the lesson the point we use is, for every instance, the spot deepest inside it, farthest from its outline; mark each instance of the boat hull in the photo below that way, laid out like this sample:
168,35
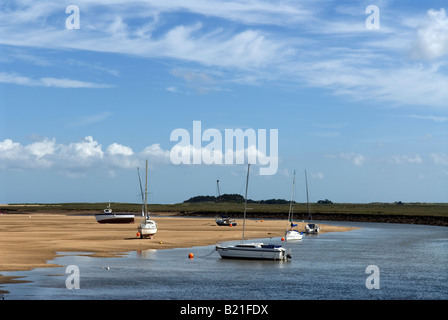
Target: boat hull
225,222
252,251
147,230
114,218
293,235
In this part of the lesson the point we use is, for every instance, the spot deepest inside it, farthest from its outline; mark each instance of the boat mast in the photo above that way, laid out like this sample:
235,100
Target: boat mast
146,190
290,214
307,198
219,194
245,199
219,199
141,192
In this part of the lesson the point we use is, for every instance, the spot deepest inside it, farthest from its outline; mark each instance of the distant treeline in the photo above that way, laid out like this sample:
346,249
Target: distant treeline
233,198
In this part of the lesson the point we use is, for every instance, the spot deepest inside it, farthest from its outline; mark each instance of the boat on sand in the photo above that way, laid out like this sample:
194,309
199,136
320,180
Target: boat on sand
147,227
109,217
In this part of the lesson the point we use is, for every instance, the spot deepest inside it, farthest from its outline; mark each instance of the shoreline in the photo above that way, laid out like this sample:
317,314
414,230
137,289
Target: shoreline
352,217
29,241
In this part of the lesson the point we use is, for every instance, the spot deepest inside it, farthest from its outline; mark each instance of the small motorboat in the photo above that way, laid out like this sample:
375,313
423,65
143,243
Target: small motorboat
224,221
109,217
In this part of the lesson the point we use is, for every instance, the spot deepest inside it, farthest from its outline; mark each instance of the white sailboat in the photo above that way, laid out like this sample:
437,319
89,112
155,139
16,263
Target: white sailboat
147,227
310,228
292,234
252,250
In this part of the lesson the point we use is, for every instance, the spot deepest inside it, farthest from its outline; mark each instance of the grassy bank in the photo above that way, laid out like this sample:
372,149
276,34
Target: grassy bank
424,213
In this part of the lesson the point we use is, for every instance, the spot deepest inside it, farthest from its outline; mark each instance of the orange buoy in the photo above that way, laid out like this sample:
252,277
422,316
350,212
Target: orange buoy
283,239
261,220
190,255
138,234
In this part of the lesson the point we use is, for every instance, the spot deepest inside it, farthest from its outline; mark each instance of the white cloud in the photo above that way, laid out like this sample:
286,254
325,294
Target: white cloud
440,158
430,117
14,78
327,134
317,175
76,158
355,158
402,159
432,36
116,148
399,85
68,83
171,89
10,149
156,154
242,44
247,12
41,148
90,119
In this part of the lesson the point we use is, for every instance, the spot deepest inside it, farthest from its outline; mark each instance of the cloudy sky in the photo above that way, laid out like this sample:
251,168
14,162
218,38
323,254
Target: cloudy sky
359,97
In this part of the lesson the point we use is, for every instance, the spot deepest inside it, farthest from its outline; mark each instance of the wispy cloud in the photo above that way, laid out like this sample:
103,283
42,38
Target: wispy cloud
15,78
355,158
440,158
90,119
199,82
252,42
403,159
429,117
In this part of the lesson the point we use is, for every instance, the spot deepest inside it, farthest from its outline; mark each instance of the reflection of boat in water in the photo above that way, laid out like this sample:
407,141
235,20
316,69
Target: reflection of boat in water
252,250
147,227
310,228
109,217
224,220
292,234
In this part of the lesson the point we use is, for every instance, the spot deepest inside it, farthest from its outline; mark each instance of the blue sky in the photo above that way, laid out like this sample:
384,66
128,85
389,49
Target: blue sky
364,111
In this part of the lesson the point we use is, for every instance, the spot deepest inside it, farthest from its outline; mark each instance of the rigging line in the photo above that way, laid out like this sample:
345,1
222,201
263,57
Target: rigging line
207,255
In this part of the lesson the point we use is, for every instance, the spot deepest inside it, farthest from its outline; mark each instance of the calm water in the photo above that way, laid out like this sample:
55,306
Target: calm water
412,261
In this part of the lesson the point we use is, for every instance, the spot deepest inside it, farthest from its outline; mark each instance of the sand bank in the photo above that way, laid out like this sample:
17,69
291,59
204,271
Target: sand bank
29,241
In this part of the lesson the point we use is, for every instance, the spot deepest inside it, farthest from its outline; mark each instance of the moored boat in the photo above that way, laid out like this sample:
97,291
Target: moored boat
224,220
257,251
292,234
147,227
310,228
109,217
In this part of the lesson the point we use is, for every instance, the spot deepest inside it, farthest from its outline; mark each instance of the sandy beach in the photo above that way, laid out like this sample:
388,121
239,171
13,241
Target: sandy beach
29,241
